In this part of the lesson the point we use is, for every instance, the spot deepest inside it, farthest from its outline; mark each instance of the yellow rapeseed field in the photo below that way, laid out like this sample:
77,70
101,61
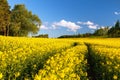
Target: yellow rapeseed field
23,58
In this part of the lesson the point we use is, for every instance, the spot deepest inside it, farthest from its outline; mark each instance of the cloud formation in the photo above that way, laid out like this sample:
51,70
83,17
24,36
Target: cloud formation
43,27
71,26
67,24
117,13
90,24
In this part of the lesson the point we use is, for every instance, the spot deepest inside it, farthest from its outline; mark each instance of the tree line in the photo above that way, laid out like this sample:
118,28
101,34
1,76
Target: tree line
41,36
113,31
107,31
18,21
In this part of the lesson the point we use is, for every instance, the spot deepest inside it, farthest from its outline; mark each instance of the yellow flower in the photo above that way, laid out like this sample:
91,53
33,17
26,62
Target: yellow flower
1,53
115,77
1,75
17,74
62,75
34,65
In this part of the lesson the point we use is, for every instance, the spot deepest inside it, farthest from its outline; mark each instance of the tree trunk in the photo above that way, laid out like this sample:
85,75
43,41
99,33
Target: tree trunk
4,31
7,31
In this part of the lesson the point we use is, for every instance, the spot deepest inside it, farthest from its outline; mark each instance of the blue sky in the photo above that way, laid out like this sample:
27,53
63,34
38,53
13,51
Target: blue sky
61,17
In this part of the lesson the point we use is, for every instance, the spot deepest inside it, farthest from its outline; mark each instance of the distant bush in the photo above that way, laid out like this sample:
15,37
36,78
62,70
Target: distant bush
41,36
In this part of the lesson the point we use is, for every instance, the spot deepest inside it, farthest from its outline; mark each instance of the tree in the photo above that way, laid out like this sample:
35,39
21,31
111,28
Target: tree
115,30
101,31
111,32
4,17
23,21
117,25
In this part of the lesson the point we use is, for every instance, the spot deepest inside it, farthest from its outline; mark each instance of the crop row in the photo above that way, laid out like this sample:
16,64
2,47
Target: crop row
22,58
105,62
67,65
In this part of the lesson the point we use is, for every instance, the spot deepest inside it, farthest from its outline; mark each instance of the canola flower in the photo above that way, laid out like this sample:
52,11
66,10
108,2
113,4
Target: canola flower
115,77
1,75
24,58
107,61
65,65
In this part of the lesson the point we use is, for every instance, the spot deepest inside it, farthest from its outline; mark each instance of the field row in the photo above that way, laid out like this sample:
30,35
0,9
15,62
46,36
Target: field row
104,62
70,64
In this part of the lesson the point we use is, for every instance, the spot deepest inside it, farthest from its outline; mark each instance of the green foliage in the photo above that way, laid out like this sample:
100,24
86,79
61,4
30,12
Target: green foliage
101,31
17,22
4,17
41,36
76,36
115,30
23,21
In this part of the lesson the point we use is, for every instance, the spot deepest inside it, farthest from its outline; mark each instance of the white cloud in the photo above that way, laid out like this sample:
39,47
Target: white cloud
86,23
67,24
93,26
117,13
43,27
90,24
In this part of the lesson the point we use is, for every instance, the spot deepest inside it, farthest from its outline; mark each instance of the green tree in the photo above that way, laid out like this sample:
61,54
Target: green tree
4,17
115,30
23,21
101,31
117,25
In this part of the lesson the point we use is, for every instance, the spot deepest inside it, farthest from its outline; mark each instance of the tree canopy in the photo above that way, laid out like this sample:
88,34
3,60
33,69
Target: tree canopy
115,30
18,21
23,21
4,17
101,31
